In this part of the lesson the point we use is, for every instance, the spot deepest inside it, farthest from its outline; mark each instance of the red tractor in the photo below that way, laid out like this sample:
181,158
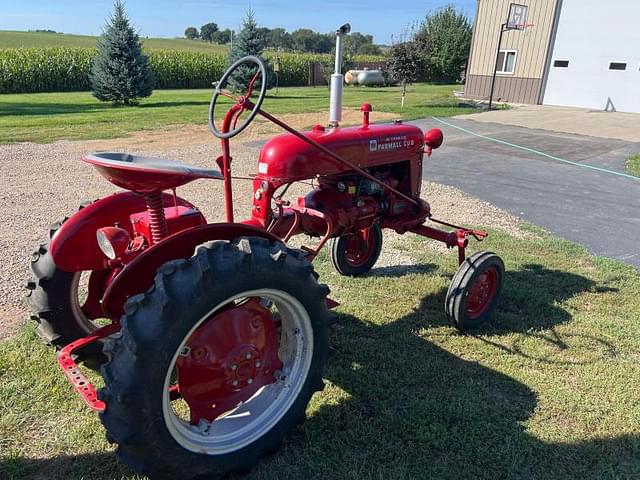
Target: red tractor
212,337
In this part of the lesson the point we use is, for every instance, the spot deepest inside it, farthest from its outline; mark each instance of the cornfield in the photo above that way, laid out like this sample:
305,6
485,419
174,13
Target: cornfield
59,69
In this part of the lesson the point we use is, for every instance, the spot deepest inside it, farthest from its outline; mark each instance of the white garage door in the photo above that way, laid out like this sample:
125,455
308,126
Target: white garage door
596,57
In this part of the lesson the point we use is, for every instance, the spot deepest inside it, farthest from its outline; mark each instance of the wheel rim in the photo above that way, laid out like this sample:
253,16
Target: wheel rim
482,293
215,428
359,248
88,309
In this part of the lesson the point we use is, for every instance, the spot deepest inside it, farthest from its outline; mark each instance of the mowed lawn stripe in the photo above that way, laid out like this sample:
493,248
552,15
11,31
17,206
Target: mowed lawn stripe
46,117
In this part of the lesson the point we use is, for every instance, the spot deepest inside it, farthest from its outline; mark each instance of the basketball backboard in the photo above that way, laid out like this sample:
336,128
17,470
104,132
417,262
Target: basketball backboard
517,16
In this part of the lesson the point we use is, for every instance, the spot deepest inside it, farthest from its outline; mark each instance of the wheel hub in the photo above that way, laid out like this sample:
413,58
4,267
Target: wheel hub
228,359
482,292
359,248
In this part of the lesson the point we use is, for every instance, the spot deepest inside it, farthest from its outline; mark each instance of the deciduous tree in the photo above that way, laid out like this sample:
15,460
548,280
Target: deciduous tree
404,65
191,33
447,32
207,31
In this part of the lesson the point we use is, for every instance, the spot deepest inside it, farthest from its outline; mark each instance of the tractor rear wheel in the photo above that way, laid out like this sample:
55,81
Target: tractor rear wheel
217,361
65,304
355,254
474,290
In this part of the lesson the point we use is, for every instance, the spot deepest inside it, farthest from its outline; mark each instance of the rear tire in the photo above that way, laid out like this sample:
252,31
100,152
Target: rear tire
57,313
156,335
353,254
474,290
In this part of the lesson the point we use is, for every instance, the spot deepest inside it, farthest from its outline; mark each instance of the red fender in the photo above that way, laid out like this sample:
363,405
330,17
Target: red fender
74,247
138,275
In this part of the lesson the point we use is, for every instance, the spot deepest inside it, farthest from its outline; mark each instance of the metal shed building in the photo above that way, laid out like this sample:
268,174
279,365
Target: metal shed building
580,53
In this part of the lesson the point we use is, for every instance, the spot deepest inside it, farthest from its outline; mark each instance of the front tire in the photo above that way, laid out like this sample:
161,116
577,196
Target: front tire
190,333
355,254
474,290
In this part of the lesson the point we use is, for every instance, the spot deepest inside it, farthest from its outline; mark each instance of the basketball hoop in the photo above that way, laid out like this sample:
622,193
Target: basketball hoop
517,16
517,20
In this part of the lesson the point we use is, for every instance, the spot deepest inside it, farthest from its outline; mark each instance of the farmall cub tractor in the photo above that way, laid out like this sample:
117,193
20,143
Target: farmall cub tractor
216,333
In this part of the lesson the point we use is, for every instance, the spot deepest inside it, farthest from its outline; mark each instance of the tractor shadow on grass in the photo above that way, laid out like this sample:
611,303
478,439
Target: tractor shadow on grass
531,299
400,406
530,305
407,408
102,466
402,270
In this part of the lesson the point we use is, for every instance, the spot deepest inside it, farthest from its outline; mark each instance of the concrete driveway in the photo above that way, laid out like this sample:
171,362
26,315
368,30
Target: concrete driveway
597,209
582,121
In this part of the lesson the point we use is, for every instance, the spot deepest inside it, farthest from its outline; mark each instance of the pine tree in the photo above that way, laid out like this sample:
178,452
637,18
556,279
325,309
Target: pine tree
121,72
248,41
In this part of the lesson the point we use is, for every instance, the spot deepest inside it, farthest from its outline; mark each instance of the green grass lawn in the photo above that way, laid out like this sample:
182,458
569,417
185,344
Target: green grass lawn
13,39
633,165
548,390
46,117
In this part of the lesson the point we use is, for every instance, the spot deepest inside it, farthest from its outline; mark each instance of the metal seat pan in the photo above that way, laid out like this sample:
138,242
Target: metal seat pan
147,174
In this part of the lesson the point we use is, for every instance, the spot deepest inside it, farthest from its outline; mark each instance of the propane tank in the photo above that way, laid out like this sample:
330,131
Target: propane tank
335,105
351,77
370,77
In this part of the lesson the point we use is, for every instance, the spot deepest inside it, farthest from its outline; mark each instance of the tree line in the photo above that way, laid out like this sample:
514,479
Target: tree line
437,51
301,40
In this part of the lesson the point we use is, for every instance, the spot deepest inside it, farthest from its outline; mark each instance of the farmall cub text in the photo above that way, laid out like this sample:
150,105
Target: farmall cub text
216,335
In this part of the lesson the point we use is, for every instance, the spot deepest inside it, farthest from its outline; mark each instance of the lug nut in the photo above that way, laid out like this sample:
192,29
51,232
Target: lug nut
258,364
248,356
234,367
234,383
250,381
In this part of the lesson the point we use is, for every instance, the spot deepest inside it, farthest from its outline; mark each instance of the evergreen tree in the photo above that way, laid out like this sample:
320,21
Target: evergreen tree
121,72
249,41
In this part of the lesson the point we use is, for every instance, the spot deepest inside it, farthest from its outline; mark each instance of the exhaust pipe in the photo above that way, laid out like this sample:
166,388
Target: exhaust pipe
337,81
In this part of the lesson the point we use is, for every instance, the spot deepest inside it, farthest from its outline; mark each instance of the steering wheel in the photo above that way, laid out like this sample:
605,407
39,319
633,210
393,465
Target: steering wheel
243,102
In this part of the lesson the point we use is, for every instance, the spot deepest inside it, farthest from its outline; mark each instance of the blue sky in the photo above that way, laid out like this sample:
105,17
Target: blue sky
164,18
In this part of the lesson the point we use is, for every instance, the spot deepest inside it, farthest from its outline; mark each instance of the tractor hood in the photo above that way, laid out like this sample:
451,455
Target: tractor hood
288,158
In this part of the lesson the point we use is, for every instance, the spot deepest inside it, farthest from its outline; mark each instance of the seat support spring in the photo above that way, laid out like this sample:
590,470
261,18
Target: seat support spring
155,207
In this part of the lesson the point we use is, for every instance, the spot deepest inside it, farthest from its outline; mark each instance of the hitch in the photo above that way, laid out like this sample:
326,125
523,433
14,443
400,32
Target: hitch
80,382
459,238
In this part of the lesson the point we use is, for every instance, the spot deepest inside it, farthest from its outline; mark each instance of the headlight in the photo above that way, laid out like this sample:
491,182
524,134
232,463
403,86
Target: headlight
113,241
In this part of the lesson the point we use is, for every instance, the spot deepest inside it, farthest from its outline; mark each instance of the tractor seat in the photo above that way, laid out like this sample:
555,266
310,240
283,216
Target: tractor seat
147,174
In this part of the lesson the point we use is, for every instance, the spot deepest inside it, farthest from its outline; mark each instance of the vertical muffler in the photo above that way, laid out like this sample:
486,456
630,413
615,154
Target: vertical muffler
337,80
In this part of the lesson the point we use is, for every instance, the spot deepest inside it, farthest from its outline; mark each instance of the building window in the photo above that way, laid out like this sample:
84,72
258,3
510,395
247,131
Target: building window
561,63
617,66
507,61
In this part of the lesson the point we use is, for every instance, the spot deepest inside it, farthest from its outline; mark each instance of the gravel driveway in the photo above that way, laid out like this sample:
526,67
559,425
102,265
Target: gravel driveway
43,183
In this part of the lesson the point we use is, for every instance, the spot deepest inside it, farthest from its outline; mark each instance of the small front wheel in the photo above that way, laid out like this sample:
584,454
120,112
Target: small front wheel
474,290
355,254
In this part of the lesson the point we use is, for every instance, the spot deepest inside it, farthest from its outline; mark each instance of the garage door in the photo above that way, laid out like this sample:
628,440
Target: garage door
596,56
